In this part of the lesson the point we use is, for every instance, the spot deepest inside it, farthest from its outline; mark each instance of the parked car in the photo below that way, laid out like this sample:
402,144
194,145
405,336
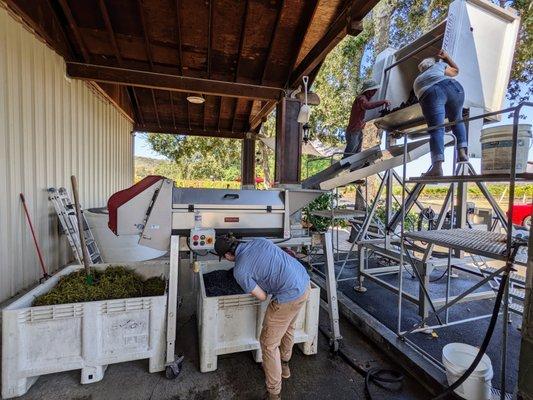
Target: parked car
522,214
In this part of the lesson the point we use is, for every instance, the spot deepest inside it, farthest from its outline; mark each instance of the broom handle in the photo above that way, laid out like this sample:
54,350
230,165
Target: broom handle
85,253
37,247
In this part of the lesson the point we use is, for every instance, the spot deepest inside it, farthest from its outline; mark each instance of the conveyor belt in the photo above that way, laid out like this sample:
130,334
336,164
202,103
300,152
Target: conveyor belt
483,243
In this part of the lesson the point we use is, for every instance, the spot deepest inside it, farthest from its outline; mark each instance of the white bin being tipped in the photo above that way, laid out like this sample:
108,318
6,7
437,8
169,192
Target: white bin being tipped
496,145
457,357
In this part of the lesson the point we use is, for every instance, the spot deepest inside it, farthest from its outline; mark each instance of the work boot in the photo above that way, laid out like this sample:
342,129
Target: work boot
285,370
272,396
435,170
462,154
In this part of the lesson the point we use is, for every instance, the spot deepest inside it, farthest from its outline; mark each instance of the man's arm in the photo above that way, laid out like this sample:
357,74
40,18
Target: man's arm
452,69
259,293
369,105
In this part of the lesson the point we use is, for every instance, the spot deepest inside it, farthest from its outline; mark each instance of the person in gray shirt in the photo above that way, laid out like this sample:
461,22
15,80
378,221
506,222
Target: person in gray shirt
441,96
262,269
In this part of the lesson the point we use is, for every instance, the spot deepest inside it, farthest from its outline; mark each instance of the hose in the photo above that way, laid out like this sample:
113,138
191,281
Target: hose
486,340
387,379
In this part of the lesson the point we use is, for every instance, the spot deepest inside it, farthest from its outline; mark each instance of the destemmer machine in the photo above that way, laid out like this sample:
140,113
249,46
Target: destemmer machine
186,221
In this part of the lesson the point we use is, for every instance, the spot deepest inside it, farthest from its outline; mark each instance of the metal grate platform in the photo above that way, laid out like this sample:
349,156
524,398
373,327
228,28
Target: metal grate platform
339,213
483,243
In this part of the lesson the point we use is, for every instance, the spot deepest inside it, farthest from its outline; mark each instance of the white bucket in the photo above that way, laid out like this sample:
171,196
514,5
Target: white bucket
123,248
496,149
457,357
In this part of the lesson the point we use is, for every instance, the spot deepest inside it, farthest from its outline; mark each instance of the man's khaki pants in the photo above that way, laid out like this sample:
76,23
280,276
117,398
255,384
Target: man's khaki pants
277,338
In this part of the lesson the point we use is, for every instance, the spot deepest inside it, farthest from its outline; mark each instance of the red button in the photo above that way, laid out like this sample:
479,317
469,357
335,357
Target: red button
195,237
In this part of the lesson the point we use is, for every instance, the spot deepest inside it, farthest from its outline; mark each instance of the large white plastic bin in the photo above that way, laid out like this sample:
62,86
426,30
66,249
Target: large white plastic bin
87,336
231,324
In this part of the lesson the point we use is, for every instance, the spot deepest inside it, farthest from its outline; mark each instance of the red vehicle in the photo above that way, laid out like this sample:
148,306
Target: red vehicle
522,214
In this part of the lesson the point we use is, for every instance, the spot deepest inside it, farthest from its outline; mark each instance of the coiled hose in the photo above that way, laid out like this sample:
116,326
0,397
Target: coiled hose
387,379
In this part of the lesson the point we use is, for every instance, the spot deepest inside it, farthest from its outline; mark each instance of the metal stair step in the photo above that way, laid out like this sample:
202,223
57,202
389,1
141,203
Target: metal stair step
518,294
516,308
514,276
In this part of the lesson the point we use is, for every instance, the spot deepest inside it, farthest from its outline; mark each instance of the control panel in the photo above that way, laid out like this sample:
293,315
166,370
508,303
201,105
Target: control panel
202,239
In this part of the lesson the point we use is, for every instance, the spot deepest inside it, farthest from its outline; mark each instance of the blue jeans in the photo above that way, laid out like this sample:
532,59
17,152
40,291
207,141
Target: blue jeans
444,99
354,141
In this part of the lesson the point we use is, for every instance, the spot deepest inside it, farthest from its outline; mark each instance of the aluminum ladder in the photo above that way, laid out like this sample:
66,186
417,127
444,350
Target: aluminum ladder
66,213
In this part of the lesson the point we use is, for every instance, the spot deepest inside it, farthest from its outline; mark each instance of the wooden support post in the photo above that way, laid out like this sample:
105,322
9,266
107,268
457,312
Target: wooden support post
288,142
248,163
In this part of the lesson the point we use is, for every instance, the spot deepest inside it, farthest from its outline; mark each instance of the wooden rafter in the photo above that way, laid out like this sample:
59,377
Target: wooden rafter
239,53
74,28
338,30
141,78
271,41
208,60
306,23
171,96
219,113
111,33
185,130
178,31
343,24
148,55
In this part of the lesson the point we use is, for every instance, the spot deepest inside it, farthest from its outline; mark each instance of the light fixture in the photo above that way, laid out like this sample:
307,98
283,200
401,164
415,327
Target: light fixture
196,99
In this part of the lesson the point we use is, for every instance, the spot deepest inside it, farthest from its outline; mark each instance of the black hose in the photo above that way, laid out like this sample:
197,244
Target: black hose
485,343
387,379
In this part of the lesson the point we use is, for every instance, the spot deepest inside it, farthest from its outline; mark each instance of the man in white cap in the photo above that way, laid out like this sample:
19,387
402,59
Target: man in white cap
354,130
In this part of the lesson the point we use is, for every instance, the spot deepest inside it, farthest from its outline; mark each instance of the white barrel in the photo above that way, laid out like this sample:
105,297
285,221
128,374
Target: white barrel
123,248
457,357
496,149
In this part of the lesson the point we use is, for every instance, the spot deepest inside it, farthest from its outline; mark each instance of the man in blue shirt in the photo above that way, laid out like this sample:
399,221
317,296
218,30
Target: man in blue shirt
262,269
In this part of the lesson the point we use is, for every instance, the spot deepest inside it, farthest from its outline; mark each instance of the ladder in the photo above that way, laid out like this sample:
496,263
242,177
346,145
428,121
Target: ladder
66,213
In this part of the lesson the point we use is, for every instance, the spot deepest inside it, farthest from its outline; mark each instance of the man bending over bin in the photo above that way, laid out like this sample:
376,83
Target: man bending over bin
262,269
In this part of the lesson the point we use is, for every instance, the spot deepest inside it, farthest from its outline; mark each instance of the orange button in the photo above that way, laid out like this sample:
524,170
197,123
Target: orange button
209,240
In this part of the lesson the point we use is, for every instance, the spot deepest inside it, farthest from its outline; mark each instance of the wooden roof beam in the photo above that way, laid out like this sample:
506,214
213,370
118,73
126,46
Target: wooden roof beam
74,28
154,80
111,33
178,29
343,25
185,130
148,54
239,53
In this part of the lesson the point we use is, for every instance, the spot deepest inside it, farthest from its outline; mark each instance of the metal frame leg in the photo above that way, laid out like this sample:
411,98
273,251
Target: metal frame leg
172,298
361,250
331,289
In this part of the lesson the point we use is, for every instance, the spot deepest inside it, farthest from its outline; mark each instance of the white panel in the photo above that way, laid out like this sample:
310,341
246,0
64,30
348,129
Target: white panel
50,128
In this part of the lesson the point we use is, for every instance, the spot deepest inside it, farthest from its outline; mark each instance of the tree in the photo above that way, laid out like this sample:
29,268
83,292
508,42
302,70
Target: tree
200,157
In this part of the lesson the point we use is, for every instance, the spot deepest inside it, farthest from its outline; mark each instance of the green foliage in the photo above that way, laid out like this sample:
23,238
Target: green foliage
411,218
115,282
199,157
496,190
322,202
149,166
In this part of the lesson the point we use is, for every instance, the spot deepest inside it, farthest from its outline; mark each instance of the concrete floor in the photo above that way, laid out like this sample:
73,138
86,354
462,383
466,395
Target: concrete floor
237,377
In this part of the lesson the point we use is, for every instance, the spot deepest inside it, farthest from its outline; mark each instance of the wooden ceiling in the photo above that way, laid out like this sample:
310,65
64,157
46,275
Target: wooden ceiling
148,55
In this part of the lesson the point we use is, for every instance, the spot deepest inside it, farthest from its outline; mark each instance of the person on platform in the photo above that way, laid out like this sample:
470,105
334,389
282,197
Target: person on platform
441,96
354,130
262,269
